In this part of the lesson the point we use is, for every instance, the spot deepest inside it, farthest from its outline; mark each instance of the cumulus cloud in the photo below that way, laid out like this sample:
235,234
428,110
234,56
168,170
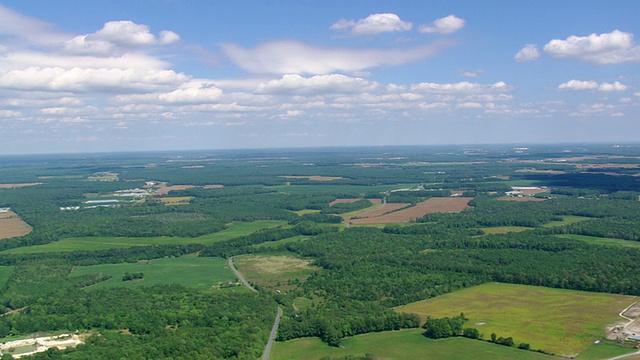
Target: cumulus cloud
118,35
373,24
591,85
293,57
527,53
445,25
86,79
319,84
195,92
607,48
463,87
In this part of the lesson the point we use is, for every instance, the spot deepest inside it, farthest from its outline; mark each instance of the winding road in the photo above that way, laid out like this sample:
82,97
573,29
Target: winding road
276,323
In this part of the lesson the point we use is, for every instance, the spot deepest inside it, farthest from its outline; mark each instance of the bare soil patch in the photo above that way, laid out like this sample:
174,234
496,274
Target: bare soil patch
12,226
14,186
41,344
164,190
213,186
344,201
430,206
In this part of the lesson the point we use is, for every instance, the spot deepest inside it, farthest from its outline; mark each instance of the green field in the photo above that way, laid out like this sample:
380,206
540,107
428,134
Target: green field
606,350
100,243
274,271
504,229
563,322
566,220
201,273
400,345
601,241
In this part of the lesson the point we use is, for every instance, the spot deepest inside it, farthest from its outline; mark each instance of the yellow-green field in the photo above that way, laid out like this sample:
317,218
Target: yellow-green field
273,272
101,243
601,241
400,345
566,220
504,229
563,322
175,200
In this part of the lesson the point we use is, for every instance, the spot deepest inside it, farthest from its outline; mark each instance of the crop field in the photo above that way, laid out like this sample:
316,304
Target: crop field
201,273
236,229
432,205
601,241
176,200
504,229
563,322
274,271
400,345
11,225
16,186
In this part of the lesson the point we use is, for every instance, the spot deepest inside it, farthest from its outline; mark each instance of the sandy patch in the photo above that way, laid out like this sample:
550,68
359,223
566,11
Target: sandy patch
41,344
213,186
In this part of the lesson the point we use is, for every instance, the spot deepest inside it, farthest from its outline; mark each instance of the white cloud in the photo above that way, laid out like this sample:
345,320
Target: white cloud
607,48
373,24
195,92
9,114
468,73
527,53
592,85
319,84
87,79
293,57
445,25
463,87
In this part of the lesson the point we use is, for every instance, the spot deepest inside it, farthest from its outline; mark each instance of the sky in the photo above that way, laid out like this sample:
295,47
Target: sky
115,75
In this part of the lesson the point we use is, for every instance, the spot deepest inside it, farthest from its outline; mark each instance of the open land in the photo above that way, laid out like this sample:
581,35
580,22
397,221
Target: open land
400,345
315,177
30,346
176,200
11,225
236,229
432,205
274,271
16,186
202,273
563,322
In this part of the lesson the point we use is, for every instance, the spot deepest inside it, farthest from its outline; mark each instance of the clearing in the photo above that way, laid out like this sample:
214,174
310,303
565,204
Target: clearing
176,200
15,186
315,177
274,272
430,206
12,226
563,322
30,346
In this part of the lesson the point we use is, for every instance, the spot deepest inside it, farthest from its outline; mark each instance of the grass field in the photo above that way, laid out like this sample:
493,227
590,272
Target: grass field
504,229
271,244
563,322
605,350
201,273
176,200
100,243
601,241
273,272
566,220
400,345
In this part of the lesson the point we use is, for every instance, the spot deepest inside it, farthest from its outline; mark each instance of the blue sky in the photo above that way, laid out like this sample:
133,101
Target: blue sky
95,76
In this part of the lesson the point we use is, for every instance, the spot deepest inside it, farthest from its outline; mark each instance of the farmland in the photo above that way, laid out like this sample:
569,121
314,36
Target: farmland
356,246
11,225
557,321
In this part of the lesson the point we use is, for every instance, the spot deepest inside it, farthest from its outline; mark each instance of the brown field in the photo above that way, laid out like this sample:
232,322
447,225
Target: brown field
536,171
176,200
14,186
520,199
344,201
11,225
315,177
164,190
430,206
529,191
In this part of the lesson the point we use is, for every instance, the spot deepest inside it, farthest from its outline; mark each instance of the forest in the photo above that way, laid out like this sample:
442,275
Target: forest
362,272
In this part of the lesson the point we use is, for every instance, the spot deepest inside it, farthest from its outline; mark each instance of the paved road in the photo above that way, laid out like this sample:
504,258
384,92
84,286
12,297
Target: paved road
272,336
239,275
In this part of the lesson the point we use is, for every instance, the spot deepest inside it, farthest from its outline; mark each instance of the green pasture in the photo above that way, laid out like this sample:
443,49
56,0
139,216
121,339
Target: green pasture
563,322
504,229
601,241
236,229
5,272
400,345
566,220
272,244
200,273
606,350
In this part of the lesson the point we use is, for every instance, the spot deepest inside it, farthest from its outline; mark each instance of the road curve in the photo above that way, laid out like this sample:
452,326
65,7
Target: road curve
239,275
272,336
